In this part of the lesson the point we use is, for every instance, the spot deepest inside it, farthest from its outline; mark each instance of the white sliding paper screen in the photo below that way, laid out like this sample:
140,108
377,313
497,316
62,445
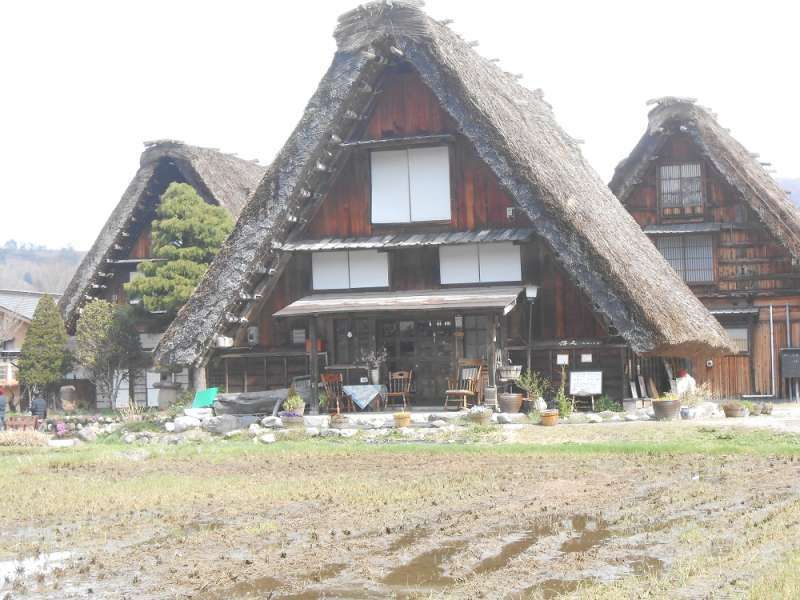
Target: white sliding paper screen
329,270
429,183
369,269
390,187
411,185
458,264
500,262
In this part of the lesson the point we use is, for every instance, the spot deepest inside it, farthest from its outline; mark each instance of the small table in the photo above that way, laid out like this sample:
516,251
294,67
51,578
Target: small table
363,395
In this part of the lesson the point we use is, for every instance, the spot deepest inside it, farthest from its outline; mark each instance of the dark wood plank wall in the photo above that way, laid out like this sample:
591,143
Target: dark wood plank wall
142,247
407,107
750,267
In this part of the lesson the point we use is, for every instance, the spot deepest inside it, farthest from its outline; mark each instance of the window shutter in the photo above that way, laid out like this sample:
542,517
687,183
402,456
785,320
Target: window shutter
458,264
369,269
429,183
329,270
390,188
500,262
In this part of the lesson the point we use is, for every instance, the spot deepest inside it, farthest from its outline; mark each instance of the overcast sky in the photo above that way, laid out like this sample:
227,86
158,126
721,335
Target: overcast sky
83,84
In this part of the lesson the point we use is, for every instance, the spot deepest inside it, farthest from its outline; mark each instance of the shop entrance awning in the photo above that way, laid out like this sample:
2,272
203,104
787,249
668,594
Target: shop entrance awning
495,297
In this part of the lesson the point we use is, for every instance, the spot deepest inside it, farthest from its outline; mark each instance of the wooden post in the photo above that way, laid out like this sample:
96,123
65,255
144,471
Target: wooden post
312,336
492,349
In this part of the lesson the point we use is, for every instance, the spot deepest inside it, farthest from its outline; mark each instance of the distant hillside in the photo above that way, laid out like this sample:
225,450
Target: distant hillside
791,185
25,267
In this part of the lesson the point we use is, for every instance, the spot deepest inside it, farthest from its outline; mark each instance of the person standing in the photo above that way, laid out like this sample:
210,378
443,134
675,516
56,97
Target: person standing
2,409
39,407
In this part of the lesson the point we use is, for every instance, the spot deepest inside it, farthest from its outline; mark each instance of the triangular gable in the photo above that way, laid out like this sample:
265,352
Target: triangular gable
219,178
512,130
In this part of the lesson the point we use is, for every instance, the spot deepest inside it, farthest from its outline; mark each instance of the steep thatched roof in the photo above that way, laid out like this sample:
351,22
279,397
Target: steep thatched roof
220,178
738,167
514,132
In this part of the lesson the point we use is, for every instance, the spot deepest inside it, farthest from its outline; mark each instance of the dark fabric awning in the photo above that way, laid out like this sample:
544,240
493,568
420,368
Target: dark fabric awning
501,298
410,240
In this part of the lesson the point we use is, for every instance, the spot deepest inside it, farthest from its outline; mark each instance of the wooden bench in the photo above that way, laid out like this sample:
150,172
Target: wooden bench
22,422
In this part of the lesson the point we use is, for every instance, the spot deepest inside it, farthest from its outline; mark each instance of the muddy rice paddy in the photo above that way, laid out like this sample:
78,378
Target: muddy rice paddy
627,511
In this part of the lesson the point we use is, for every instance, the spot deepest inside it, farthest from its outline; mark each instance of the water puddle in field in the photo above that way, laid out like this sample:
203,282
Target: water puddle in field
260,587
512,549
593,532
10,570
427,569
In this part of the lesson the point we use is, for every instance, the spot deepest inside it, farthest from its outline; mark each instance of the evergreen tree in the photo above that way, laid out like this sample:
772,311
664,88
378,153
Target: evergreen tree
44,357
108,346
188,233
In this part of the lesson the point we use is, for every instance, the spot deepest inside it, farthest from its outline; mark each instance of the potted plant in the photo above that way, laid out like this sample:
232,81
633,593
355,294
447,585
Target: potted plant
536,386
291,420
734,409
480,415
402,419
766,408
667,407
294,402
753,408
373,360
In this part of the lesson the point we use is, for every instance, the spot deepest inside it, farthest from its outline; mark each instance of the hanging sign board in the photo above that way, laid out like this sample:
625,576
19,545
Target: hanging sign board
790,363
586,383
562,359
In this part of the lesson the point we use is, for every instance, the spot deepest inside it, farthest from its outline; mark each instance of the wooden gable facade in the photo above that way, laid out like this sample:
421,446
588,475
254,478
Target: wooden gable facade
272,350
742,272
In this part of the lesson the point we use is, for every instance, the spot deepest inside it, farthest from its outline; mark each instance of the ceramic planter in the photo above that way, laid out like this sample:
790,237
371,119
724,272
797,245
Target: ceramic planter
549,418
510,403
402,420
666,410
375,376
734,412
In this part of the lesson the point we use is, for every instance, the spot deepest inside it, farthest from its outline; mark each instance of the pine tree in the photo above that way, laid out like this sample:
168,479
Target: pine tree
187,233
44,357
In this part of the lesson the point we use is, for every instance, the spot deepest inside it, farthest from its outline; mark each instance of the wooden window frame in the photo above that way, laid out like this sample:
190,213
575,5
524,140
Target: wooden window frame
684,237
680,211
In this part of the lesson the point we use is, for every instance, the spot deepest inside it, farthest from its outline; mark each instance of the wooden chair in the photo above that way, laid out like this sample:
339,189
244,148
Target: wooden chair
399,387
332,382
464,390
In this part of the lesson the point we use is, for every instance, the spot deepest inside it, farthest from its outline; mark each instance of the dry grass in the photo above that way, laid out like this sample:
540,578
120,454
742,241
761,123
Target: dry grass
20,438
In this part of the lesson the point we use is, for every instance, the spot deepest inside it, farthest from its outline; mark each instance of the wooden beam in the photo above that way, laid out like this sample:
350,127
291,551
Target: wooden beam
314,358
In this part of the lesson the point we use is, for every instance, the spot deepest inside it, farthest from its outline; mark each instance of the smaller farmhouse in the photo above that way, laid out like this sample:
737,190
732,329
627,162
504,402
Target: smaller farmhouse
728,230
124,241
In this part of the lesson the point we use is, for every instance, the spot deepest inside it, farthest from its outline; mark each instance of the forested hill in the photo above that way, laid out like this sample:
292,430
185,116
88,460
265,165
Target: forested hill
38,269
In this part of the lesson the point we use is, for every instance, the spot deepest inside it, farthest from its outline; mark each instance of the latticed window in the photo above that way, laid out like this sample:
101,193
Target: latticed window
692,256
681,185
739,338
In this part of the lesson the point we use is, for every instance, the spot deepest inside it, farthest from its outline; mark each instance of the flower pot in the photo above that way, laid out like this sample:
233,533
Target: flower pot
766,409
293,422
666,410
402,420
549,418
510,403
688,412
734,412
375,376
480,418
756,410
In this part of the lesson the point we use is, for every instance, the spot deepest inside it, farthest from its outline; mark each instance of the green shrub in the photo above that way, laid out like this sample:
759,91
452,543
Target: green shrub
604,403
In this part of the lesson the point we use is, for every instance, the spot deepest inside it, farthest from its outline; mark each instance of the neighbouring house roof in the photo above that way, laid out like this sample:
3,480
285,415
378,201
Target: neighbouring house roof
410,240
22,303
513,131
738,167
497,297
218,177
679,228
